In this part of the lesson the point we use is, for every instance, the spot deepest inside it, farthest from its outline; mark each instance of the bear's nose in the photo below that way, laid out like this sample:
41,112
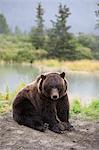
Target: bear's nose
54,96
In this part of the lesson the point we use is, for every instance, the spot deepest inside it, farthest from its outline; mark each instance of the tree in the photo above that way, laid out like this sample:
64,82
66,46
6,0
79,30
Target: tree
3,25
37,34
59,38
86,39
97,15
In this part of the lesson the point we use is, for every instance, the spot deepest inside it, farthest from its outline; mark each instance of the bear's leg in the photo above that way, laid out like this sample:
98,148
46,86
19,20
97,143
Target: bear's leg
63,112
24,113
50,117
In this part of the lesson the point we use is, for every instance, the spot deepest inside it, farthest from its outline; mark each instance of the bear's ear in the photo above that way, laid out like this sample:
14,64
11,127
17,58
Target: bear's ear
41,82
62,75
43,76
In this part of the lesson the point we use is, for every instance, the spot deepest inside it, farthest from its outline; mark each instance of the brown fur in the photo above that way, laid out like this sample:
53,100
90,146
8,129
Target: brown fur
43,101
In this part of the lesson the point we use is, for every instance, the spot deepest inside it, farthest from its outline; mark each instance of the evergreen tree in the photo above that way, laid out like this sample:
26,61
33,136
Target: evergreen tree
97,15
37,34
3,25
59,39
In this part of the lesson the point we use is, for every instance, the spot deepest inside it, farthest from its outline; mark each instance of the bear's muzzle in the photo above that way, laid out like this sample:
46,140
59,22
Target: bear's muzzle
54,94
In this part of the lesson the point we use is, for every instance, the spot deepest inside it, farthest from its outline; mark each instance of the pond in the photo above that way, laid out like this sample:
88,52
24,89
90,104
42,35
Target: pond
80,84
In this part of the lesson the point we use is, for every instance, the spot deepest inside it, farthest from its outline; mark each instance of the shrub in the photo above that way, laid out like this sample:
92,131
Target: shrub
92,110
83,53
76,106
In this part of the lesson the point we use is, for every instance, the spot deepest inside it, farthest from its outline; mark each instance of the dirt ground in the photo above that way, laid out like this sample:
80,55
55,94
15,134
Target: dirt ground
16,137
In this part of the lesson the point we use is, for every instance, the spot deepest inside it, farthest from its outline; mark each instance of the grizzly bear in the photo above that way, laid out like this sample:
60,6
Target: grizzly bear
44,101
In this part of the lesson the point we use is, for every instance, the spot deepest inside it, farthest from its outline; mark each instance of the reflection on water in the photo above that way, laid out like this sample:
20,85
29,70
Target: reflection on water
83,85
12,75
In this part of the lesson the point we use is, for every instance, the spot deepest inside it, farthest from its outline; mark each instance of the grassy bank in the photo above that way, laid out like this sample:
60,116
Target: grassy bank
80,65
89,111
6,98
56,65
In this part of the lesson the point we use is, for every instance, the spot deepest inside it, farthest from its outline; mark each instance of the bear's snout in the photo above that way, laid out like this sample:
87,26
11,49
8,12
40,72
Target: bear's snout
54,94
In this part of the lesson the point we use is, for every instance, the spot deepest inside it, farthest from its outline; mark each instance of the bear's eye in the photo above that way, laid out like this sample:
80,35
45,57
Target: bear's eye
50,86
47,88
60,89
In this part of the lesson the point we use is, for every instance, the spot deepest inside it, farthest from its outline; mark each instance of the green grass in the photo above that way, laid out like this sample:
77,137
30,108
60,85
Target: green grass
76,107
7,97
90,111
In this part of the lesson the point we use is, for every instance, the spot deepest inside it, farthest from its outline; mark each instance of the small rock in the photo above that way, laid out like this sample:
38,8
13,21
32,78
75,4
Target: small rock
20,132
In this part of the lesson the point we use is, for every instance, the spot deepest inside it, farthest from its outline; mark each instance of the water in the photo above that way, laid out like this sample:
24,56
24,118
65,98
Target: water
13,75
82,85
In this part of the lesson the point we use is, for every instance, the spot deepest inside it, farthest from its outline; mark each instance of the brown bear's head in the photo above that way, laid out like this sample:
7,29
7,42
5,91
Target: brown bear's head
53,85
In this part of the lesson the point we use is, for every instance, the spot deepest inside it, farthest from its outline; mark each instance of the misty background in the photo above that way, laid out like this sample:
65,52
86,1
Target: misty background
22,13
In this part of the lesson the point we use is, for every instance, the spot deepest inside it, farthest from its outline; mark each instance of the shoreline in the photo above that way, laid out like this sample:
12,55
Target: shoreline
81,66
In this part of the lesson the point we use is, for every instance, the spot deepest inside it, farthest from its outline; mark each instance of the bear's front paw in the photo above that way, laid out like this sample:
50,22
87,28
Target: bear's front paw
61,126
57,128
40,128
68,126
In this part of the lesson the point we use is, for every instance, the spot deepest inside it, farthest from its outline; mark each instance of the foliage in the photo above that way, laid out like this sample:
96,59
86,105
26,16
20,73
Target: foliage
37,33
76,106
88,111
3,25
97,15
92,110
83,53
59,45
85,40
15,48
90,41
7,98
52,43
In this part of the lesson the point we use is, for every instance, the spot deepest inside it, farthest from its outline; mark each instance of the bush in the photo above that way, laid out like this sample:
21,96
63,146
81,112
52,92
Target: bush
19,48
25,55
92,110
76,106
83,53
